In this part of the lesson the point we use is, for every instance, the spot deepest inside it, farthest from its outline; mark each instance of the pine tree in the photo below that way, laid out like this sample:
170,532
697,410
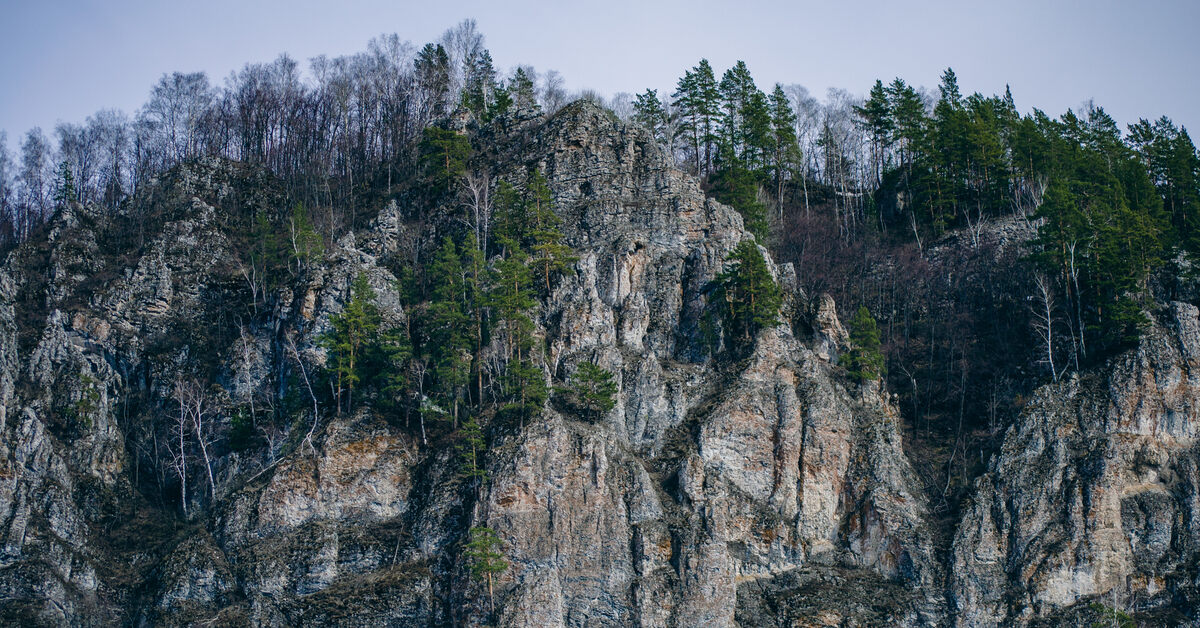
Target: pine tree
786,149
485,558
444,155
477,276
354,329
745,295
737,91
511,298
471,447
522,91
908,114
432,68
511,216
550,255
865,360
649,112
306,244
688,108
875,116
64,185
709,96
449,327
501,104
758,133
394,352
737,186
592,390
479,91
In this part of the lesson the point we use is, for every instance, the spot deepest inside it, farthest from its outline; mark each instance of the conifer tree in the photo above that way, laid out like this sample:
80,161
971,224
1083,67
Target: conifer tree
909,120
306,244
649,112
875,116
786,149
737,186
550,255
737,90
522,91
865,360
501,104
688,107
745,295
472,447
477,276
511,215
64,185
449,326
708,100
394,352
479,91
512,296
444,155
485,558
353,331
432,68
592,390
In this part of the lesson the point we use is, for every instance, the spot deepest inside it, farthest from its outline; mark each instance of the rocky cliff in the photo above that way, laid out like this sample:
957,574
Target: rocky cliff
1092,500
760,489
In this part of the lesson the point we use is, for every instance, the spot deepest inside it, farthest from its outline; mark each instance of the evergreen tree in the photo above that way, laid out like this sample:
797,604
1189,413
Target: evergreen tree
477,276
394,350
479,90
909,120
511,215
525,387
1173,165
875,116
432,68
708,99
353,330
649,112
449,329
550,255
511,298
64,185
745,295
786,149
471,448
737,186
485,558
758,133
865,360
306,244
737,92
688,110
592,390
501,104
444,155
522,90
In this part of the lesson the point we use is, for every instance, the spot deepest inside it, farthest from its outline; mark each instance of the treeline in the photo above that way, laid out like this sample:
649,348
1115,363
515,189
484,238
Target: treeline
869,192
344,130
1113,207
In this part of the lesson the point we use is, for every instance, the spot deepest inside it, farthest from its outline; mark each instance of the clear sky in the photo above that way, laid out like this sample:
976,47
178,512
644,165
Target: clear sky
64,59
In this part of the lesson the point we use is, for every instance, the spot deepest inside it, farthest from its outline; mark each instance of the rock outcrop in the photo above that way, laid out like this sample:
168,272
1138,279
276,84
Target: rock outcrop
1093,497
745,489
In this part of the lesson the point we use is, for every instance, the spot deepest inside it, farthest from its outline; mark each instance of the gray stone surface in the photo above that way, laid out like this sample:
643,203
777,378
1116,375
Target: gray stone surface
767,490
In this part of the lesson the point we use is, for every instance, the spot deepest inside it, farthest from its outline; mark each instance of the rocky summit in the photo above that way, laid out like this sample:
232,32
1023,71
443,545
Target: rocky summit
758,485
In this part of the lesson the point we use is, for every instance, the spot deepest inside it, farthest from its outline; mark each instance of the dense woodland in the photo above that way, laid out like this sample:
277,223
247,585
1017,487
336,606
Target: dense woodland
884,202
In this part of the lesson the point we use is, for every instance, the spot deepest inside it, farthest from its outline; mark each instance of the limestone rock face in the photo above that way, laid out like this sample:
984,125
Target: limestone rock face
757,487
1094,494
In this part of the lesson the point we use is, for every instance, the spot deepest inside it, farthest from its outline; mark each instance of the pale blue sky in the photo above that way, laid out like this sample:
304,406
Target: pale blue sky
64,59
